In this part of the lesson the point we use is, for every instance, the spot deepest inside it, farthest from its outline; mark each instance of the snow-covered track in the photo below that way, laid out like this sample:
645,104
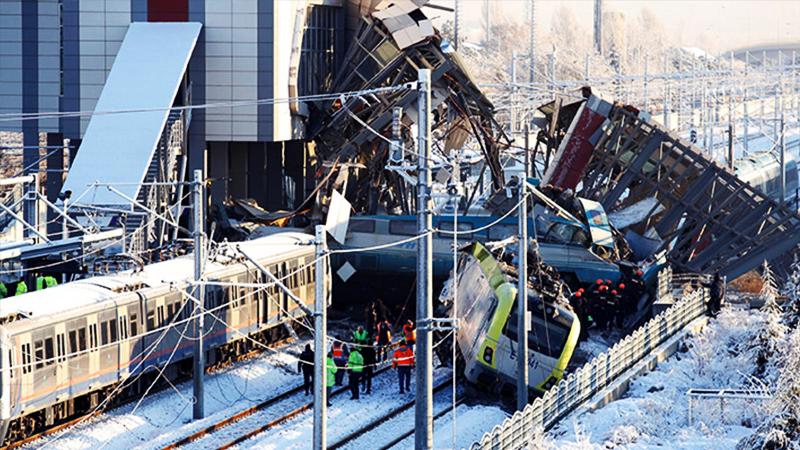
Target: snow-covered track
380,421
287,397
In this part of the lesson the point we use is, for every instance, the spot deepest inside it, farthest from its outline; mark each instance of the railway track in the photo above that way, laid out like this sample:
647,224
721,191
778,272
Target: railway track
210,431
382,420
70,423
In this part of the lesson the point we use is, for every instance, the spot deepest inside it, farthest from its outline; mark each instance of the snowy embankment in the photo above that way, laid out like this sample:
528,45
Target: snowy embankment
166,416
654,412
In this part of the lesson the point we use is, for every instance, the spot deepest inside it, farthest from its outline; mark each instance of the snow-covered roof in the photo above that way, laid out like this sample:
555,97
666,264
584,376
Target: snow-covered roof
81,293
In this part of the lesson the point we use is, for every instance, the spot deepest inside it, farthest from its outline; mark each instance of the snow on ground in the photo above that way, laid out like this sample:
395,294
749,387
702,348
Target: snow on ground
471,423
653,413
166,416
344,416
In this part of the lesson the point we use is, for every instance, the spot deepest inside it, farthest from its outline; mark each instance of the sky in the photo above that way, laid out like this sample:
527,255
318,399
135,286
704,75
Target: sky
721,25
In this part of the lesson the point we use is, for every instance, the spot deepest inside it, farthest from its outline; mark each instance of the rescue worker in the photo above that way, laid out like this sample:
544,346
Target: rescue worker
383,338
305,364
717,292
361,336
410,333
355,365
578,302
330,368
45,282
403,361
22,288
368,353
340,358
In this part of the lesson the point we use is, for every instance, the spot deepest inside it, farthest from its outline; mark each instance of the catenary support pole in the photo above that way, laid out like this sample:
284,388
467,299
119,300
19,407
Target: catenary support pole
198,294
522,287
423,423
782,140
320,335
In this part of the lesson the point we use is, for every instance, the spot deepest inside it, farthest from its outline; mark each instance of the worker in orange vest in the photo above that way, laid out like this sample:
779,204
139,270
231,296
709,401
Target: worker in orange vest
410,333
339,351
403,361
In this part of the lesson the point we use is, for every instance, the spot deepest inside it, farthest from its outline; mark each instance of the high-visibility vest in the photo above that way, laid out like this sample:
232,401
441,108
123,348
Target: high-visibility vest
360,338
403,356
45,282
331,369
21,288
355,362
410,333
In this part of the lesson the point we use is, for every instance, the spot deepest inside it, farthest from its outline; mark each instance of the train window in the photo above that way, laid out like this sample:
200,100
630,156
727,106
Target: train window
151,319
26,358
10,372
161,314
361,226
48,351
134,324
38,354
500,232
60,350
123,328
82,339
403,227
112,330
104,333
448,226
93,335
73,341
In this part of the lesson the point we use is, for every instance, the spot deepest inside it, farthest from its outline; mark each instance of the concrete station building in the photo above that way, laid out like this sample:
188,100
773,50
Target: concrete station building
56,57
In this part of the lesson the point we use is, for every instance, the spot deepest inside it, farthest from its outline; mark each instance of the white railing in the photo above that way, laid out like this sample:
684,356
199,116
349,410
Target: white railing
518,430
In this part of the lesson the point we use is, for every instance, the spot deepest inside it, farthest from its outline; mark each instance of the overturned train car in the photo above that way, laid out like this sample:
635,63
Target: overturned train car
487,339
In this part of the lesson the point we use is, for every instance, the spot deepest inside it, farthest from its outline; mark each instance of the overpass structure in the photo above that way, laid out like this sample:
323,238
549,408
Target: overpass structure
704,217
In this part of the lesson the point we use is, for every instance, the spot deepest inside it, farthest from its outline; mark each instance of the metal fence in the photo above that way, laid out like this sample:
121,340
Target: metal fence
518,430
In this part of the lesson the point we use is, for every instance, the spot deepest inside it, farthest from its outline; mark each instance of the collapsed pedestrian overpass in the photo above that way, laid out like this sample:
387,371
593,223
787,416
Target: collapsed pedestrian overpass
704,217
134,148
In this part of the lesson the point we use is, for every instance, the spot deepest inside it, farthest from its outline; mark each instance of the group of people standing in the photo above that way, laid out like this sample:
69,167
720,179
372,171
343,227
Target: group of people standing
359,358
605,304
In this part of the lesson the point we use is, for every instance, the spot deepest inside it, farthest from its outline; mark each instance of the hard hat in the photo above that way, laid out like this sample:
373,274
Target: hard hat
578,294
599,281
603,288
608,281
614,292
622,285
639,272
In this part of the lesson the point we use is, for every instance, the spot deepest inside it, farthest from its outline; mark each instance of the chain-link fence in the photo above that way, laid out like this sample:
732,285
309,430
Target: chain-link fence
518,431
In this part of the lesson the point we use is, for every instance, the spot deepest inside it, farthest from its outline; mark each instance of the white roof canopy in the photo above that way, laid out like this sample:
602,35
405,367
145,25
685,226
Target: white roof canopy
145,77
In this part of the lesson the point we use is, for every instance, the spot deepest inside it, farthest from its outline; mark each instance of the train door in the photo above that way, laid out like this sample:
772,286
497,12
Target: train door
264,295
135,330
107,349
94,343
235,294
62,367
78,362
124,345
25,347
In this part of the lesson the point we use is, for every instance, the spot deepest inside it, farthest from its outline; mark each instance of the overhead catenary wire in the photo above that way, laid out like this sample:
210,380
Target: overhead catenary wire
7,117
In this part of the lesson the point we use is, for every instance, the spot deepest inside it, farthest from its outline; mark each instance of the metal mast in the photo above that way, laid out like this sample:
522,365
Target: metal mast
522,286
598,26
423,429
320,334
198,293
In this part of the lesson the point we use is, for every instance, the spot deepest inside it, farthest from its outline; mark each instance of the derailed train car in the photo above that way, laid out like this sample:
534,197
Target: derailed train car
66,349
488,337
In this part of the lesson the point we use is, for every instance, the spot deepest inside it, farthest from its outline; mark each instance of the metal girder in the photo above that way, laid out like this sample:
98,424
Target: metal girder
729,225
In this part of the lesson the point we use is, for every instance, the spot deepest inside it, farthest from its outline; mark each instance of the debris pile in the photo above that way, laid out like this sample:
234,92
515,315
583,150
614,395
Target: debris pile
354,135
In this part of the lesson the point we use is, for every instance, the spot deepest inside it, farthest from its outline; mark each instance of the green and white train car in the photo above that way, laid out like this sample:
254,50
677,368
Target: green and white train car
488,337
